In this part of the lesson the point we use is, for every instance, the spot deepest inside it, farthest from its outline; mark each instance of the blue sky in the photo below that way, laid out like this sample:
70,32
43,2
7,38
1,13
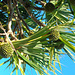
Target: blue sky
68,68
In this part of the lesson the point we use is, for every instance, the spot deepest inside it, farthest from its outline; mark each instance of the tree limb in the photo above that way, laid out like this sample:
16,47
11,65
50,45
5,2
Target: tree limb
18,12
11,9
30,14
9,41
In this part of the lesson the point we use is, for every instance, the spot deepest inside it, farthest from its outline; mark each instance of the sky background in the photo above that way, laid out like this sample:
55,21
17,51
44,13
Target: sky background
68,68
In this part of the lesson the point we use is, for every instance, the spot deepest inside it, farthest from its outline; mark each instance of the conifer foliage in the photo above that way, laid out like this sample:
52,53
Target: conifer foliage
37,33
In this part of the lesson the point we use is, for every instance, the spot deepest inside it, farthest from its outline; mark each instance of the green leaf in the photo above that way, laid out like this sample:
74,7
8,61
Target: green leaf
67,44
13,71
57,57
4,62
30,63
22,72
69,54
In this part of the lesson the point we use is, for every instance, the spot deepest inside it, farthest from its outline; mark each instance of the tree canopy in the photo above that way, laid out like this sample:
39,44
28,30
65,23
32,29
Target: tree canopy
38,31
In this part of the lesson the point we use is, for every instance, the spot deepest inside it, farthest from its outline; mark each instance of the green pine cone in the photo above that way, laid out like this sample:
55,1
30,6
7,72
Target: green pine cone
49,7
6,50
59,45
54,35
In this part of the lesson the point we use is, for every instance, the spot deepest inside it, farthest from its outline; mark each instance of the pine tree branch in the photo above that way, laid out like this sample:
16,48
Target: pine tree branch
2,33
11,9
10,15
19,24
20,17
6,34
30,14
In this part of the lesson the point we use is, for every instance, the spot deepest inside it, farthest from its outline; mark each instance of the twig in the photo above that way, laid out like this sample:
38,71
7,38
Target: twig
15,28
20,26
2,33
7,37
18,12
10,15
42,2
11,9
